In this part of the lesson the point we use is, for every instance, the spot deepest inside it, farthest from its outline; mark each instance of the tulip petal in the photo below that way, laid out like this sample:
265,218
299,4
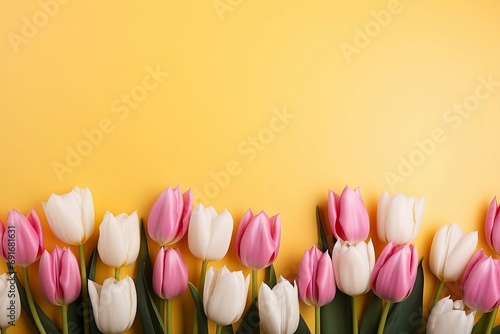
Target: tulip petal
27,245
220,236
459,256
60,212
245,221
199,232
269,310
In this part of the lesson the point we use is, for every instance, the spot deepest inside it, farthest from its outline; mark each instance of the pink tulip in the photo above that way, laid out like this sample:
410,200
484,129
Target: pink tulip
60,276
315,278
22,240
348,216
258,239
395,272
493,226
481,283
170,215
170,274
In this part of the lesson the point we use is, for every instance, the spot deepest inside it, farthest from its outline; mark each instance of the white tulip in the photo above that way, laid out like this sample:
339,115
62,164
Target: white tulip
119,239
224,295
399,218
10,303
449,317
279,308
209,234
114,304
71,216
353,266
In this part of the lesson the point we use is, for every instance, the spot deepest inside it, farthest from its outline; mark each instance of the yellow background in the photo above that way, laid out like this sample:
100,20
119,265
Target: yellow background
233,65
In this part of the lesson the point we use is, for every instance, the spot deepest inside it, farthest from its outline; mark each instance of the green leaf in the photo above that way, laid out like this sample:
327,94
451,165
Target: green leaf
371,319
200,312
337,316
92,264
150,317
250,321
227,329
270,276
323,241
406,316
496,330
481,324
302,329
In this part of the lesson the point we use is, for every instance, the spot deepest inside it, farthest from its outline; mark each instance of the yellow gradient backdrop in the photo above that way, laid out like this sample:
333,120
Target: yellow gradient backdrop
253,104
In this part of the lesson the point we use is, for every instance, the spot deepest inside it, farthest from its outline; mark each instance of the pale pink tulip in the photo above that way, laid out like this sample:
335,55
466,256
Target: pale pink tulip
170,274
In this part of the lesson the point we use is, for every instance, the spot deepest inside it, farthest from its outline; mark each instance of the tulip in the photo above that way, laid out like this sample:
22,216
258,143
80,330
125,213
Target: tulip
449,317
353,266
480,283
399,218
22,240
10,302
71,216
492,226
279,308
348,216
225,295
170,274
119,239
59,276
114,304
170,215
316,281
209,234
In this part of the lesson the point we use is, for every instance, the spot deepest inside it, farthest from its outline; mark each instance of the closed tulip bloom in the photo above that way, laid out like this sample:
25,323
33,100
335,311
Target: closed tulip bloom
395,272
353,266
348,216
10,302
59,276
209,233
279,308
114,304
399,218
258,239
119,239
480,283
170,274
449,317
22,239
450,252
224,295
71,216
492,226
315,278
170,215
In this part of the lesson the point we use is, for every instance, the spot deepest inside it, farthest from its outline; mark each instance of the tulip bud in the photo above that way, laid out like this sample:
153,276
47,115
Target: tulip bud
71,216
450,252
114,304
348,216
10,302
170,274
353,265
279,308
398,218
119,239
395,272
22,240
315,278
258,240
170,215
449,317
480,283
209,234
492,226
224,295
60,276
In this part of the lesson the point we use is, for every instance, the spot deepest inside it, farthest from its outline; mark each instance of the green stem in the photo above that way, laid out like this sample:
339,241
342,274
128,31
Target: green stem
64,309
354,305
203,274
218,330
31,302
117,274
383,318
169,316
4,330
317,320
165,316
85,291
438,293
255,277
491,320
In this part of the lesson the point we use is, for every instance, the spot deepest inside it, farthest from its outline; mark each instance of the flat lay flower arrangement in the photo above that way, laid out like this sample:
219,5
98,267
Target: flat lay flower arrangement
332,277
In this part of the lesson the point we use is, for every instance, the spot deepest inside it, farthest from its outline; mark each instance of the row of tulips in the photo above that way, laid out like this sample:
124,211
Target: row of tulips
351,269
